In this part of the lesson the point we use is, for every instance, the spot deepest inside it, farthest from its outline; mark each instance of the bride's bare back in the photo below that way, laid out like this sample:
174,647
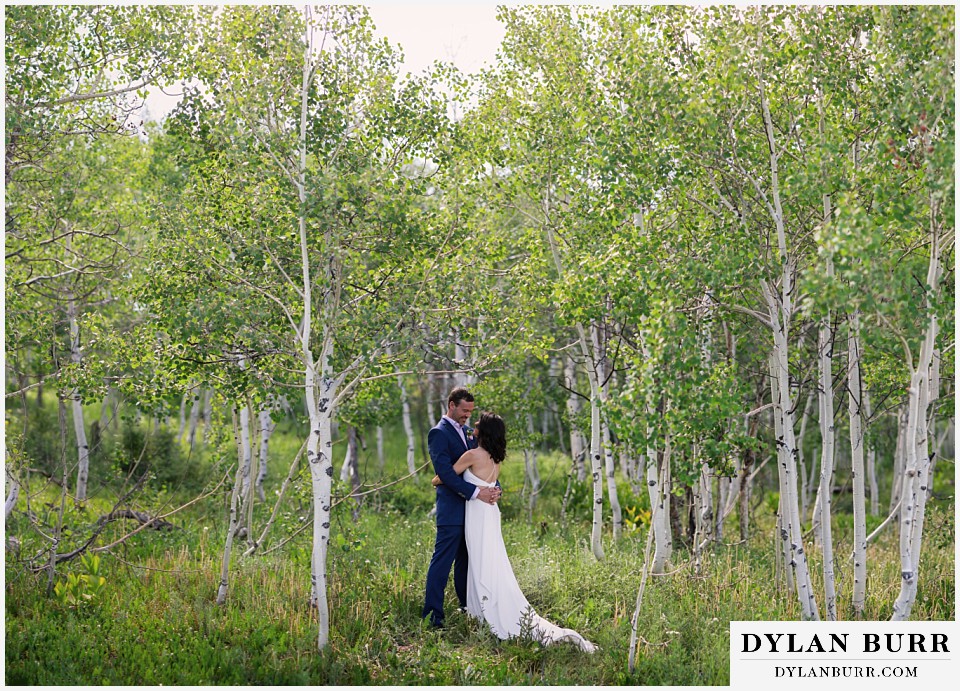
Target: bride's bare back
480,464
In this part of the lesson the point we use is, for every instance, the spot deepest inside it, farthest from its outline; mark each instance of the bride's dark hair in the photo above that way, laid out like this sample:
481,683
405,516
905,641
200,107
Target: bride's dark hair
492,436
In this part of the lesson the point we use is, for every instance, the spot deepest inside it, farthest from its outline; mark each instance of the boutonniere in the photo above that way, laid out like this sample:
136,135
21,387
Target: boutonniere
468,431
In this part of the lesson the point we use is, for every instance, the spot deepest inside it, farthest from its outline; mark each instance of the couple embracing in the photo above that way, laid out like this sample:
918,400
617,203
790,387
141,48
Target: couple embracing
468,530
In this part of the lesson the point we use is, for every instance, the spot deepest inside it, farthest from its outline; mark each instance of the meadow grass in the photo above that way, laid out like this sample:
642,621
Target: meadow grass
156,622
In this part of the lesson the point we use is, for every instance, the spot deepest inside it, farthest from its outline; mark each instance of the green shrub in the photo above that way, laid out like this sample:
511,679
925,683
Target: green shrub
158,453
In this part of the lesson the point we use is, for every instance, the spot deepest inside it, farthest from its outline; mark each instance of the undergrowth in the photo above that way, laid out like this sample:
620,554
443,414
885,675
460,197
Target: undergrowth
154,620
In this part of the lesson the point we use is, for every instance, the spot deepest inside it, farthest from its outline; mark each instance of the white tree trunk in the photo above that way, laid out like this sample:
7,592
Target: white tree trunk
595,467
703,494
600,360
207,412
407,426
933,389
246,450
924,385
381,459
826,466
786,461
349,456
578,446
780,310
855,400
916,477
610,469
899,456
233,523
657,487
79,426
871,459
320,387
805,474
13,493
462,359
533,473
319,447
595,432
105,410
183,418
198,394
783,514
267,425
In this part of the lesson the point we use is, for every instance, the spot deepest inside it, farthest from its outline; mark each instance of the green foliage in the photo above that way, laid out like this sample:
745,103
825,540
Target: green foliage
155,451
83,589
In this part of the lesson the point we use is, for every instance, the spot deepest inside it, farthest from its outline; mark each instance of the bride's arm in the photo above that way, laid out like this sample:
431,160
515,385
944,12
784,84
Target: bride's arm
466,460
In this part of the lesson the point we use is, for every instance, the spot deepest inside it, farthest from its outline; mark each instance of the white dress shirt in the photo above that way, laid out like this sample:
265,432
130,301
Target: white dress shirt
456,426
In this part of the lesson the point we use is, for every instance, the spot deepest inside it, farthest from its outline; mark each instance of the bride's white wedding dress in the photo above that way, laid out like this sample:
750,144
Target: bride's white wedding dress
493,593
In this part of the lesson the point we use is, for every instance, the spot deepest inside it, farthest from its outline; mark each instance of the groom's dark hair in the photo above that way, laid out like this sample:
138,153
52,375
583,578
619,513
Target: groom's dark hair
460,394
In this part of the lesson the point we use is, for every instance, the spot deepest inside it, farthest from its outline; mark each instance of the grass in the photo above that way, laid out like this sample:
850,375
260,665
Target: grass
156,621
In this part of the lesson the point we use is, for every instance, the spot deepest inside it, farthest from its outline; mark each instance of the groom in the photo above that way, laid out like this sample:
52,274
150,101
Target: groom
447,442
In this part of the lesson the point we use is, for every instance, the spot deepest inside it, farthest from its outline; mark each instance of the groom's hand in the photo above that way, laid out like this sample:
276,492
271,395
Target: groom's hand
489,495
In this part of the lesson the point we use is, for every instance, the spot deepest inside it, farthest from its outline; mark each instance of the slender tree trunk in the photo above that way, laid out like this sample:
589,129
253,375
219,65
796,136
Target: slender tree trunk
462,358
601,361
780,310
183,418
207,413
595,430
407,426
899,456
533,473
749,460
58,528
574,406
704,534
105,410
234,522
855,400
267,425
276,507
924,384
826,466
320,387
871,457
13,493
350,456
658,482
783,514
381,459
790,526
246,449
198,395
805,475
599,355
595,461
319,447
79,426
933,394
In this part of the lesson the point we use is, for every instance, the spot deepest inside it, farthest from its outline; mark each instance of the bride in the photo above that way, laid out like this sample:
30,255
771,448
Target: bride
493,593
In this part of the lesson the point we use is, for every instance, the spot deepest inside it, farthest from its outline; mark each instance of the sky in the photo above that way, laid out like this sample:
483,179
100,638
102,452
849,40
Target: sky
466,34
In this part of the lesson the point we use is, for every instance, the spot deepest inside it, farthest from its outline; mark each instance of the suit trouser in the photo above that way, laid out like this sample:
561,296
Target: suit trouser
450,548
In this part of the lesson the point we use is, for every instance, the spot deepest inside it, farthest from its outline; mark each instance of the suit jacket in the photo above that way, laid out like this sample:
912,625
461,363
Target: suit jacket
446,447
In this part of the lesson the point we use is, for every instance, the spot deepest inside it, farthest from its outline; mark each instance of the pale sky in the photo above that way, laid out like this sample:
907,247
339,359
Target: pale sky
467,35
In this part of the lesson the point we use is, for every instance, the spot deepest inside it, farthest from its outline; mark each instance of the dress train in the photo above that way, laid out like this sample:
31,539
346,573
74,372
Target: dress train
493,593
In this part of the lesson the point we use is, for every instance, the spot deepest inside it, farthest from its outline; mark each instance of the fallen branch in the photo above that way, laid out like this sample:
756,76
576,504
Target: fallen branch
144,518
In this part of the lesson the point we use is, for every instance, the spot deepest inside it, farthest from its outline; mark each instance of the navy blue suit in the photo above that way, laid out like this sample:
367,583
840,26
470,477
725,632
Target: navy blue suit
446,447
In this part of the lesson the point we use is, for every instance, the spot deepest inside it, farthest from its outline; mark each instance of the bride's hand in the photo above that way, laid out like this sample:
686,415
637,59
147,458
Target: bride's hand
436,481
